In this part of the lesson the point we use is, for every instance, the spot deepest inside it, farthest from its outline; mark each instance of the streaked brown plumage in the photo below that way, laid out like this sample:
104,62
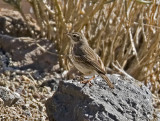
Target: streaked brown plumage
85,59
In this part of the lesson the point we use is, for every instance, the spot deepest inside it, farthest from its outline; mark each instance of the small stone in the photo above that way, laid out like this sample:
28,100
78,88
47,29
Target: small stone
1,102
33,105
9,97
2,83
8,55
7,73
14,74
36,95
32,87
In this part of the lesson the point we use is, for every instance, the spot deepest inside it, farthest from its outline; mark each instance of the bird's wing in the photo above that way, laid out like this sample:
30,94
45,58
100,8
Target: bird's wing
92,59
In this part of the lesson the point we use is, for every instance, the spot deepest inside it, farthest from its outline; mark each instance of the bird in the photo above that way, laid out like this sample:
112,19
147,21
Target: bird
85,59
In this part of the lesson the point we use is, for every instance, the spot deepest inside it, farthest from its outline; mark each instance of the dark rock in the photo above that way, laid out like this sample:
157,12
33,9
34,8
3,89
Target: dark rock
129,101
27,54
4,62
8,96
13,24
53,84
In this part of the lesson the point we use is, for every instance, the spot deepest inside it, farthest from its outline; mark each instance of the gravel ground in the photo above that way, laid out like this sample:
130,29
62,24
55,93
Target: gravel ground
29,85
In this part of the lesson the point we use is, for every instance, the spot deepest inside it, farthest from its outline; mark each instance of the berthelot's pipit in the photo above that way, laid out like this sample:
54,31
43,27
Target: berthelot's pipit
85,59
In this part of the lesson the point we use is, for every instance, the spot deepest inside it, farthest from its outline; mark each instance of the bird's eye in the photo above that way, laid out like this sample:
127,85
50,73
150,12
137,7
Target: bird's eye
74,35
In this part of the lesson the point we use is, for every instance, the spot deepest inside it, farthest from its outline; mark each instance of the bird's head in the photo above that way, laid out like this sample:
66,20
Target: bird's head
76,37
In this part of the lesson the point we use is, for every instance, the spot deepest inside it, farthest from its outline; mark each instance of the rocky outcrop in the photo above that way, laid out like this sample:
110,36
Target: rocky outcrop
13,24
73,101
27,54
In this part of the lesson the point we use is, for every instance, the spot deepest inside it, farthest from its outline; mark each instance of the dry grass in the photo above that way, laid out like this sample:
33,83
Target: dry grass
123,32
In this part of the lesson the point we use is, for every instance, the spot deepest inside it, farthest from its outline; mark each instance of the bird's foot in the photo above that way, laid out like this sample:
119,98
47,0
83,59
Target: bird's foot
87,82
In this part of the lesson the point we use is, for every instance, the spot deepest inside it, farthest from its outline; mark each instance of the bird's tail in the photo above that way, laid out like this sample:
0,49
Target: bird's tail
107,80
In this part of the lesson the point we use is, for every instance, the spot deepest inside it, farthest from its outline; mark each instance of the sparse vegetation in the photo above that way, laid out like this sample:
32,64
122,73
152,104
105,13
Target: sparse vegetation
125,33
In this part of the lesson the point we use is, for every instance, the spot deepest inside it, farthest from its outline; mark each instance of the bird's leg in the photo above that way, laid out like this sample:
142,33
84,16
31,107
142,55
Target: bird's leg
88,81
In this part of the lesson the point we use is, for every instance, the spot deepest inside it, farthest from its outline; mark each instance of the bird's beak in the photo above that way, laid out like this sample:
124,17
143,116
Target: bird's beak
68,34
